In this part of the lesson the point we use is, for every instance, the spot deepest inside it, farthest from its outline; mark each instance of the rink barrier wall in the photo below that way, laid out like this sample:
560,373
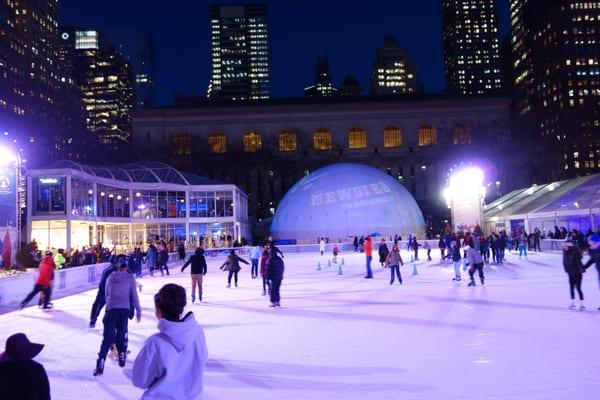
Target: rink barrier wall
69,281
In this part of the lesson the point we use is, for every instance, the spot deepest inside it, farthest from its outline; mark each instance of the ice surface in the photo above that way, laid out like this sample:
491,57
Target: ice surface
345,337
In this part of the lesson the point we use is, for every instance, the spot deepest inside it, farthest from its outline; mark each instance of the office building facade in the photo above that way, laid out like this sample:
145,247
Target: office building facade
323,86
472,60
557,79
104,81
240,53
393,72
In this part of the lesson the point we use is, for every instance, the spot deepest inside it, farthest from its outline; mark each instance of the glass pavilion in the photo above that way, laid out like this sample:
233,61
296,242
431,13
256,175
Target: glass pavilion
71,205
573,204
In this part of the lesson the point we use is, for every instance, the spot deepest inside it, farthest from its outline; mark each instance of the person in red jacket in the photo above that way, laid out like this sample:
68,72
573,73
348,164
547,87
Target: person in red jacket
368,246
43,281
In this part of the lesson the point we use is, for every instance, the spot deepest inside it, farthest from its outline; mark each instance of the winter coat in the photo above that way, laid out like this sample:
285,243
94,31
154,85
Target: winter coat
45,272
275,268
59,260
151,256
368,248
322,245
103,278
394,258
163,257
263,263
255,253
572,261
23,380
383,252
456,254
442,244
181,251
474,256
233,263
171,363
198,263
121,292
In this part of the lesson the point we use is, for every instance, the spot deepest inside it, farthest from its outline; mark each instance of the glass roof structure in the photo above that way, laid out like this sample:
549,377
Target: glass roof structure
570,196
142,172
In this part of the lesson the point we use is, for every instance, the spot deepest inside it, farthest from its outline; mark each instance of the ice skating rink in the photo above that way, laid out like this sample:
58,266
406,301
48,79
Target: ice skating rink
345,337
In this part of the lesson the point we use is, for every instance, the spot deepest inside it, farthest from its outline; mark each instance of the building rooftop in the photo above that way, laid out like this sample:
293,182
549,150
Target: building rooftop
145,172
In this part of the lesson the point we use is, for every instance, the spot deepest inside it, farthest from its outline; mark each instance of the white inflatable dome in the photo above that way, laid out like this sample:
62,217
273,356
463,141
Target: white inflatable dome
343,200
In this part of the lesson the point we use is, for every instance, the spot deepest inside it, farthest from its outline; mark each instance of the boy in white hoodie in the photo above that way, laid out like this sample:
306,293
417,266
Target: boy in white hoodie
171,363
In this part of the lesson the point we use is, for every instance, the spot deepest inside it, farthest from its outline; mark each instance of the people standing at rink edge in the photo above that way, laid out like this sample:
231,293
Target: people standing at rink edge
383,252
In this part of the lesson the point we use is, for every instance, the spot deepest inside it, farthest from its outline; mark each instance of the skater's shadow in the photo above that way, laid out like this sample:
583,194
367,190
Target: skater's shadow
300,377
495,303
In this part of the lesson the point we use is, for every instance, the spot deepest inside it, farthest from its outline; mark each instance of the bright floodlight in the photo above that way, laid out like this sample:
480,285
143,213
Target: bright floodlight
6,156
464,195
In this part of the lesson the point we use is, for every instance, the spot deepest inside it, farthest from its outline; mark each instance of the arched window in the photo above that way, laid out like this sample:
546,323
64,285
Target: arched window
217,143
182,143
357,138
427,135
392,137
288,140
462,134
322,139
252,142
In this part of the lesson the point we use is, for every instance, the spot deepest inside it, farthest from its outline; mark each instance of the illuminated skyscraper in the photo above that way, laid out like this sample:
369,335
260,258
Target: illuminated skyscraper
323,86
393,72
471,47
37,110
556,58
104,80
241,66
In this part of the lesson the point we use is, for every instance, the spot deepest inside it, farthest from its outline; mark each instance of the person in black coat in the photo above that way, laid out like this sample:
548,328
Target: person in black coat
100,300
163,258
233,266
274,273
199,269
383,252
181,251
21,377
574,268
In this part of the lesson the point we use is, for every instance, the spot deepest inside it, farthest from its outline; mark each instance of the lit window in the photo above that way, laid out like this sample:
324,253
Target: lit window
357,138
322,139
462,134
288,140
217,143
427,135
392,137
252,142
182,144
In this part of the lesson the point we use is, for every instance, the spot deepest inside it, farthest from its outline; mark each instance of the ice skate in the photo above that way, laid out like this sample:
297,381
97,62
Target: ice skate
472,283
264,293
456,279
92,325
572,306
122,359
200,298
99,367
228,285
193,298
582,308
273,305
482,281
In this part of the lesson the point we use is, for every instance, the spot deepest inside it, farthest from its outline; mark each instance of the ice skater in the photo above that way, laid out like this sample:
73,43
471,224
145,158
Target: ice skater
574,268
43,282
427,247
475,262
383,252
233,266
368,248
454,252
322,246
163,258
335,250
121,301
394,260
274,272
266,285
100,300
255,254
198,271
522,245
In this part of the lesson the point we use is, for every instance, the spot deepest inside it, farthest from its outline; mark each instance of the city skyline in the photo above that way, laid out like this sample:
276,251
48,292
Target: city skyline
183,46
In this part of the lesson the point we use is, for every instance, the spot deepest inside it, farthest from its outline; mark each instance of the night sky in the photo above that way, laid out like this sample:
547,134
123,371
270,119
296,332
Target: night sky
348,32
